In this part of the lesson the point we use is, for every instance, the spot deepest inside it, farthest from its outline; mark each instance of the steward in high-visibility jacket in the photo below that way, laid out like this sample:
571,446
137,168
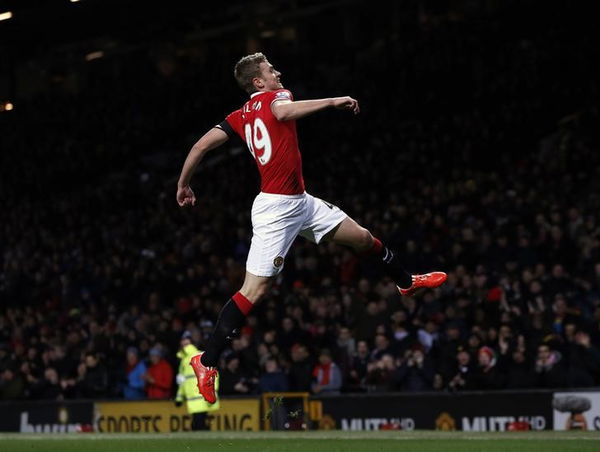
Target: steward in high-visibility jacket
188,386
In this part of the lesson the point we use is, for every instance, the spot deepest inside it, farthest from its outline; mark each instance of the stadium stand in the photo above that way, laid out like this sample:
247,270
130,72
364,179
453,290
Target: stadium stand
485,167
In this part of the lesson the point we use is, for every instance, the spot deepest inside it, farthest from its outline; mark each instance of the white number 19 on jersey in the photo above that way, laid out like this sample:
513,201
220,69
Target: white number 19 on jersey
257,138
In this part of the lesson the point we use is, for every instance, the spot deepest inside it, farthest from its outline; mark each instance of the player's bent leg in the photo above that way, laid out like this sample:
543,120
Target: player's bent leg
350,233
231,317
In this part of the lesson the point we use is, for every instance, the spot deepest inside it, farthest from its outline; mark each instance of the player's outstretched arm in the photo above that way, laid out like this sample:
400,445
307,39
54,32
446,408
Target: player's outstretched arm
286,110
213,138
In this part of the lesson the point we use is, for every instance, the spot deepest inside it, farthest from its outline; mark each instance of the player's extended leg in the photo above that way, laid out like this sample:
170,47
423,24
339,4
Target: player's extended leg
233,314
231,317
351,234
276,222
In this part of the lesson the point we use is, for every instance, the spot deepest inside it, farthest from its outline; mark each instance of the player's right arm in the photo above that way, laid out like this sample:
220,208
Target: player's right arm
287,110
213,138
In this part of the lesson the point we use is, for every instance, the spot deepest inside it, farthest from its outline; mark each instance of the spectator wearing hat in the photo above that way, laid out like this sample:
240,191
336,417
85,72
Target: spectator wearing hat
187,390
488,376
159,378
136,368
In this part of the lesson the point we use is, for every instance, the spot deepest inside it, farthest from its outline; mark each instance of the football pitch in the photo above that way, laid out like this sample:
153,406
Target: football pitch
330,441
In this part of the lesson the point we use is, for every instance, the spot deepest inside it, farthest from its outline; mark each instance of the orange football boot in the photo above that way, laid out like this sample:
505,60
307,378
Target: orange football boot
428,280
206,379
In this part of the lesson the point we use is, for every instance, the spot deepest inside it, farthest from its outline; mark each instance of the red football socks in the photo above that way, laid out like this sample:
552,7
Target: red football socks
242,303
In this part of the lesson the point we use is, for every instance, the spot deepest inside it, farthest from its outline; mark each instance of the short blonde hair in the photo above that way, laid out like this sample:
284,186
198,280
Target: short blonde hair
247,69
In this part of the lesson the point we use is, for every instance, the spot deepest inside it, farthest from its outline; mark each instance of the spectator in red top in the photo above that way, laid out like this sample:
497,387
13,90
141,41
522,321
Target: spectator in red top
159,378
328,378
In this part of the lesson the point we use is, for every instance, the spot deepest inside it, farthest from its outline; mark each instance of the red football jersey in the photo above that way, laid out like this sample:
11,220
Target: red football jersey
273,143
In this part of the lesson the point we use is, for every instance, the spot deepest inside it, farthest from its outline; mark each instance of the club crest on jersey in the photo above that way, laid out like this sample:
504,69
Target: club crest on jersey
282,95
278,261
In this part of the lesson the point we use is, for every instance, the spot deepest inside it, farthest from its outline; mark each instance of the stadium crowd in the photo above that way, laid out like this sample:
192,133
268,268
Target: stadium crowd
457,160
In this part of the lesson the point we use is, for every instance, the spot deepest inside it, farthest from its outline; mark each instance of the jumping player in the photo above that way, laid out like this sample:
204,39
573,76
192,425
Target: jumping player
283,209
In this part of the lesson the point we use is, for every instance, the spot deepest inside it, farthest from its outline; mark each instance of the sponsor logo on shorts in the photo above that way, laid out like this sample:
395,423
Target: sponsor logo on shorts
278,261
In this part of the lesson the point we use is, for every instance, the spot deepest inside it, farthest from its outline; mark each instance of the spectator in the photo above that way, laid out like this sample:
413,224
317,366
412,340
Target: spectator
522,255
290,334
233,381
49,387
382,347
368,321
463,375
136,368
584,358
487,376
428,335
449,347
12,385
549,368
381,376
301,369
520,372
187,390
93,378
327,375
159,377
561,314
416,372
358,368
345,348
273,380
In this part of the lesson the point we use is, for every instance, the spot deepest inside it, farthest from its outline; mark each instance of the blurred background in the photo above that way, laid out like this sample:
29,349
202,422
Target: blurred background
475,153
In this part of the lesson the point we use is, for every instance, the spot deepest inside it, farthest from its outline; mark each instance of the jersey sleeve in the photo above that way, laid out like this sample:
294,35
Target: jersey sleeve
232,124
282,94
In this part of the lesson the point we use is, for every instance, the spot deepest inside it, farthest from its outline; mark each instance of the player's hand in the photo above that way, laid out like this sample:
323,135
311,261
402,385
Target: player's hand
346,103
185,196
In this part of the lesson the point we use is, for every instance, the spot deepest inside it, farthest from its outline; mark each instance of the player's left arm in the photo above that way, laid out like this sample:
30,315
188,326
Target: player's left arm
287,110
215,137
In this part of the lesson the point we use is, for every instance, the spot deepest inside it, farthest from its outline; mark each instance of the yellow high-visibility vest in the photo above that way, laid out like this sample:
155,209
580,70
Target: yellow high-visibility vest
188,388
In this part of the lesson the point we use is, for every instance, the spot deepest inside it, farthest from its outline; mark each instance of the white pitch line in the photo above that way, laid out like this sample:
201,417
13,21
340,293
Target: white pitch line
312,435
